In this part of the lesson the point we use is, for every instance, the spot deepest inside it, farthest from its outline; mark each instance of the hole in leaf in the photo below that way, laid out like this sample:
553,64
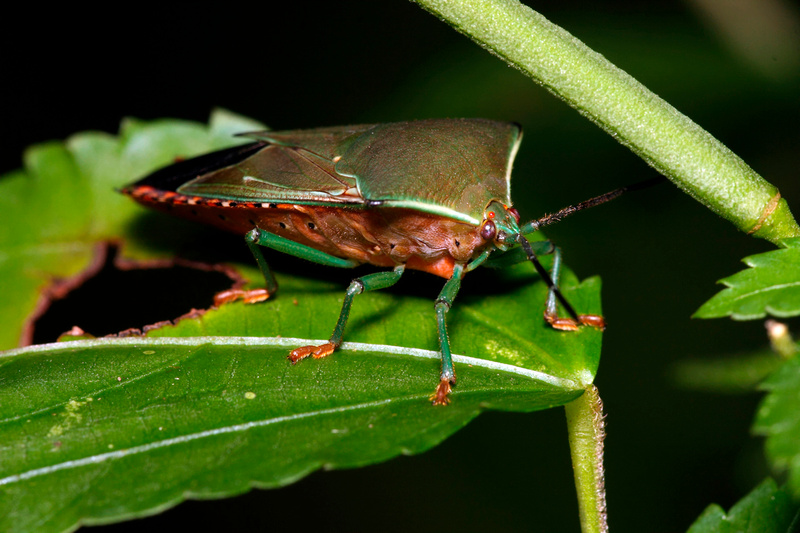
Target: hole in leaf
118,299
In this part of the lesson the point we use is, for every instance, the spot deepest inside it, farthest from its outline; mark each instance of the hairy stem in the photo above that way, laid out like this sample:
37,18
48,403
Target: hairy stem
586,426
666,139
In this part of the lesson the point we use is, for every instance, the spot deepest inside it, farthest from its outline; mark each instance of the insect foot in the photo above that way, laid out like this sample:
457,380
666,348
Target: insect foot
318,352
249,297
570,324
595,321
442,394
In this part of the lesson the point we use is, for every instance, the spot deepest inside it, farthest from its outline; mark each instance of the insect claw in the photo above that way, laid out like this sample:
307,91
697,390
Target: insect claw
317,352
249,297
298,354
442,394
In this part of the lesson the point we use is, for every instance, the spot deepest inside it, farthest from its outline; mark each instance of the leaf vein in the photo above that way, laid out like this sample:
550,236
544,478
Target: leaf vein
767,289
182,439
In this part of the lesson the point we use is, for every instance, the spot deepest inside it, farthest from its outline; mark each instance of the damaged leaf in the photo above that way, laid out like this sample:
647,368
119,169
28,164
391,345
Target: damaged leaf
96,431
57,210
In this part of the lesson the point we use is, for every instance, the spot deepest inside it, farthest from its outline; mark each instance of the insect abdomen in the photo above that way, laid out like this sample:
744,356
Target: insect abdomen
380,236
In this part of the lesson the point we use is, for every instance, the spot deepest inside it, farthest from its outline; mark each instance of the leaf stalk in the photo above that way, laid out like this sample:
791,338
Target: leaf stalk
586,427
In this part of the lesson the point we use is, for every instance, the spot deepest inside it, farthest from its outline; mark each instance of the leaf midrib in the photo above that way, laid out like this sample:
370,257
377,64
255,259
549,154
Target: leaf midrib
70,346
766,289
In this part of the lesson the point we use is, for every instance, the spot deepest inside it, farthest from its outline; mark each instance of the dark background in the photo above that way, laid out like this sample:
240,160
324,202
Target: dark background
670,452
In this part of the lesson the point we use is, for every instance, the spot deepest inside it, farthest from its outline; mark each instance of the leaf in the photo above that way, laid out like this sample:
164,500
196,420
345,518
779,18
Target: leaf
54,213
102,430
778,419
767,509
732,375
771,285
96,431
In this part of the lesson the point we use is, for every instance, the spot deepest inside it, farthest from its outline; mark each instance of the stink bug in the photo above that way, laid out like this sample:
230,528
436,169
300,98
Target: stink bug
429,195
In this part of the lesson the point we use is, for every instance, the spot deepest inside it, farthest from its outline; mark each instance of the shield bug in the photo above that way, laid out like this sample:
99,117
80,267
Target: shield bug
429,195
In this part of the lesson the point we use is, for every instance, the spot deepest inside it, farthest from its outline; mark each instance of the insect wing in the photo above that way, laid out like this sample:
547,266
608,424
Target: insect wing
292,166
452,167
324,142
171,177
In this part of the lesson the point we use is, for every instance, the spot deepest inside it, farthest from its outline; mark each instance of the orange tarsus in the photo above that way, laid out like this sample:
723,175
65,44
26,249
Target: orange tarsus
442,394
570,324
595,321
318,352
562,324
249,297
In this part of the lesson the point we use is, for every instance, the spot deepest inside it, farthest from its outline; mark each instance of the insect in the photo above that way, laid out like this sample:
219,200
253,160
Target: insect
429,195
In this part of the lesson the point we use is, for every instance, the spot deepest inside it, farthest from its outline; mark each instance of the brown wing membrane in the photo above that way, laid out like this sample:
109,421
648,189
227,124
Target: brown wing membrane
276,173
293,166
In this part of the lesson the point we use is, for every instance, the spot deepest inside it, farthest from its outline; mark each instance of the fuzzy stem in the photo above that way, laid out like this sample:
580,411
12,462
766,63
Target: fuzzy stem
666,139
586,426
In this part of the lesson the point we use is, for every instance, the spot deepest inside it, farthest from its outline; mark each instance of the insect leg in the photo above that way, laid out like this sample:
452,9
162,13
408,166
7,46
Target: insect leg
551,312
370,282
517,255
258,237
443,304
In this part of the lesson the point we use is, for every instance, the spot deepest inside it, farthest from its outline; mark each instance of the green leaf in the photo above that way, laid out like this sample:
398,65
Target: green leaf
778,419
55,212
96,431
767,509
770,286
103,430
734,374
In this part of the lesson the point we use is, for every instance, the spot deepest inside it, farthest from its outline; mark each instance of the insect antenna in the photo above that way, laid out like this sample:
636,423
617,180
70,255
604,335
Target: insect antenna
545,275
559,215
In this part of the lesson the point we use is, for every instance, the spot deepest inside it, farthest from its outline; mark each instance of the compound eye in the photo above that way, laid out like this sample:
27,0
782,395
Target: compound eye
514,213
488,231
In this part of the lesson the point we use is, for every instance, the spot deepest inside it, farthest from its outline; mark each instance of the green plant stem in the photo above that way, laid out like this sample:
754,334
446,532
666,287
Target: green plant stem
586,426
666,139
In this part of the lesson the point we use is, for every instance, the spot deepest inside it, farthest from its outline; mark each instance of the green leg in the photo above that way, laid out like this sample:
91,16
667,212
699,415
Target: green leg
551,311
251,239
257,238
270,240
370,282
443,304
555,275
519,255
